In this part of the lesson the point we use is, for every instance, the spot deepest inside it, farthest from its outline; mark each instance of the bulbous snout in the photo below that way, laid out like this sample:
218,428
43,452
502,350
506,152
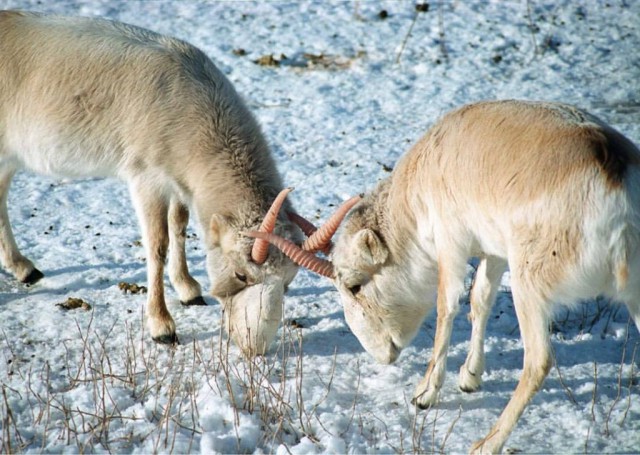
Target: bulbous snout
372,334
253,315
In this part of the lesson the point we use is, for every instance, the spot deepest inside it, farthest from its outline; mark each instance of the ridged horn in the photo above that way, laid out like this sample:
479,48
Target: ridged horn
306,226
260,248
301,257
320,240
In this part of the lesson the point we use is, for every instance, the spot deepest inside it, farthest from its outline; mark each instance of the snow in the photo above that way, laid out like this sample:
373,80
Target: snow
92,381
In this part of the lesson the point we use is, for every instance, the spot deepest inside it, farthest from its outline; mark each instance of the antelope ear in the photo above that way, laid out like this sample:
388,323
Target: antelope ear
372,247
219,226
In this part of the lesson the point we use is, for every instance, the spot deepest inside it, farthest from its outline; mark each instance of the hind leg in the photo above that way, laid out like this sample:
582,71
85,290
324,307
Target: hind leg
531,310
21,267
187,288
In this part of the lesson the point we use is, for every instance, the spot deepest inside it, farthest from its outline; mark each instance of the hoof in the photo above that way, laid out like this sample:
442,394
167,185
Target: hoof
468,389
420,406
33,277
196,301
167,339
468,381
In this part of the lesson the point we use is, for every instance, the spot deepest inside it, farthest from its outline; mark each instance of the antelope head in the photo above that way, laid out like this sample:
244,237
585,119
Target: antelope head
250,280
357,270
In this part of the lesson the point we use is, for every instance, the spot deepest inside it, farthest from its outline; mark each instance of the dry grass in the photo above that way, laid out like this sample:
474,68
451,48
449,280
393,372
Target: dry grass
106,395
162,388
119,393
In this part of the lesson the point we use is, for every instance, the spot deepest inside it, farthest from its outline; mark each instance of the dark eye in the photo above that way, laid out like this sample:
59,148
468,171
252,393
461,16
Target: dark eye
241,277
355,289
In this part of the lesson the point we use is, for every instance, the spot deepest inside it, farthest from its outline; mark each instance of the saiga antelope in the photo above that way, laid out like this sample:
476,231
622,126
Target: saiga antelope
546,189
83,97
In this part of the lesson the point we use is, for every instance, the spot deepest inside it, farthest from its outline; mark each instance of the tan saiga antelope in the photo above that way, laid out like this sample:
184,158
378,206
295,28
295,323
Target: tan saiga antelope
86,97
545,189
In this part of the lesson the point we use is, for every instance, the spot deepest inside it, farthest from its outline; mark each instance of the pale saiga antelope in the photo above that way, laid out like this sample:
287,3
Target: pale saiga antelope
546,189
83,97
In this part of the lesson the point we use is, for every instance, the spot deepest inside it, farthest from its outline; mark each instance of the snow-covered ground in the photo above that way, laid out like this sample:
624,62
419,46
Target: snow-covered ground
351,92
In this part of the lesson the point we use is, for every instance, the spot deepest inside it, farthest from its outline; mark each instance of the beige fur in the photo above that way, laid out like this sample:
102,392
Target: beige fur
87,97
544,188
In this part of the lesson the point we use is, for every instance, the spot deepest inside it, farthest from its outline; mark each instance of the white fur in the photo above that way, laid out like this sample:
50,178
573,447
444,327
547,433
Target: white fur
547,189
86,97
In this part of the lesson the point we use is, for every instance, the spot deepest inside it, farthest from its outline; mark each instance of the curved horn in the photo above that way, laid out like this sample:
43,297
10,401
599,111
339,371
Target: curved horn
306,226
301,257
261,247
321,239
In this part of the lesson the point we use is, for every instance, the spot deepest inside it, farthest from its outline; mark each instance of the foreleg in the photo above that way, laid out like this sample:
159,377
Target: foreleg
152,209
21,267
483,295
